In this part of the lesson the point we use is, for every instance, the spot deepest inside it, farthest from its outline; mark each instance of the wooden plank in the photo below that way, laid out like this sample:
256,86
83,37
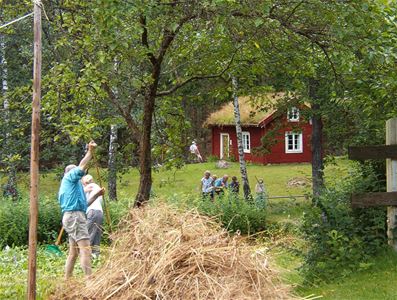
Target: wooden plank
288,197
372,152
391,182
374,199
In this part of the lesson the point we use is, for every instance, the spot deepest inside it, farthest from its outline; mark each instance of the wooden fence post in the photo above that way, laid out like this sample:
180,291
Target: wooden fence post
391,173
34,153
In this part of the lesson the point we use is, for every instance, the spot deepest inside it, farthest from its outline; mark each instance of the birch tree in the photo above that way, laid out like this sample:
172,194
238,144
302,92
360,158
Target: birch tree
243,166
10,188
112,168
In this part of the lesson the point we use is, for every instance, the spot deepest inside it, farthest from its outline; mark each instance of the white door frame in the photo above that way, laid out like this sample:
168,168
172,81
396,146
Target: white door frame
221,154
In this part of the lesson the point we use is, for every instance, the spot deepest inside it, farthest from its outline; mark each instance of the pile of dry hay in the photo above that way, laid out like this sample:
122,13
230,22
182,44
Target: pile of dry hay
163,253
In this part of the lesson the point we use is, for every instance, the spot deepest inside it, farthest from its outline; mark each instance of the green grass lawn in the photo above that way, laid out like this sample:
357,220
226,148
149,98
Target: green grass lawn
375,282
187,179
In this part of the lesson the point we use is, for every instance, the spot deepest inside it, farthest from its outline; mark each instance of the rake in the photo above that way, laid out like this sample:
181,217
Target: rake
54,249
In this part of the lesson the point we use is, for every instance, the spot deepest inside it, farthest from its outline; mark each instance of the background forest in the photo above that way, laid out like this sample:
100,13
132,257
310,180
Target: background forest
148,74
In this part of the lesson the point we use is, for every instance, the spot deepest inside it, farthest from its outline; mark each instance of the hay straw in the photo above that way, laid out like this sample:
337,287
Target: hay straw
163,253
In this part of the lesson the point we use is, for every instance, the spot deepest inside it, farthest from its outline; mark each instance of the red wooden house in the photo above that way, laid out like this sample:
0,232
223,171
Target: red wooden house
291,133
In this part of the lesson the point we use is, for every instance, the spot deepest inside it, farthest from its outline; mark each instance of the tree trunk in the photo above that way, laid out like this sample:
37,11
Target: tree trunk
11,186
145,155
243,167
317,146
112,169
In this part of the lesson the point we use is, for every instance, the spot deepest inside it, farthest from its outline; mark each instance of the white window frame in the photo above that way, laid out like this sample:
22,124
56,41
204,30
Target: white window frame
293,114
296,148
246,146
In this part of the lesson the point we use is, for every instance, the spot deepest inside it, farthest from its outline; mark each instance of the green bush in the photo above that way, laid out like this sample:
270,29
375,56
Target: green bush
212,158
14,221
341,239
235,213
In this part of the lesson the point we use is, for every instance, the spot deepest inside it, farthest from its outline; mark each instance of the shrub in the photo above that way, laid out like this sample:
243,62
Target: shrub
212,158
340,238
235,213
14,221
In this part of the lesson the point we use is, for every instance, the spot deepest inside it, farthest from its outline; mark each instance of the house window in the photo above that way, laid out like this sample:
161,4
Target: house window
293,142
293,114
246,142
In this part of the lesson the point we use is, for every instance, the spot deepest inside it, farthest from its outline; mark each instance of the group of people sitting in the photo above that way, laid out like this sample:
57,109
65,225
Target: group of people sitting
211,185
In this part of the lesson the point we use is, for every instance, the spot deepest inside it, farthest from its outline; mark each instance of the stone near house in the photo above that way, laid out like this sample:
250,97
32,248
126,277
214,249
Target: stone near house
222,164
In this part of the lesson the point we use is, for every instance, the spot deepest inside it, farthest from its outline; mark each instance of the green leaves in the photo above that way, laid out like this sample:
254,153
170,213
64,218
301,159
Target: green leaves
340,239
258,22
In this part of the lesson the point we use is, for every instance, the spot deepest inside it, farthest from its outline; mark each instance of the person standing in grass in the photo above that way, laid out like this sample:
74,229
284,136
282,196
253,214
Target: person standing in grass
260,191
94,214
74,205
195,151
206,186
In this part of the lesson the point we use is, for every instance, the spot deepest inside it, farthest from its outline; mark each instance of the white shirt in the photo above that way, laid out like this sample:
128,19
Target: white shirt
193,148
97,204
206,185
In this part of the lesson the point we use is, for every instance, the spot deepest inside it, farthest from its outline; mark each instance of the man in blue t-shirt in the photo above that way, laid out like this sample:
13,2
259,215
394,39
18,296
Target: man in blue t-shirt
74,205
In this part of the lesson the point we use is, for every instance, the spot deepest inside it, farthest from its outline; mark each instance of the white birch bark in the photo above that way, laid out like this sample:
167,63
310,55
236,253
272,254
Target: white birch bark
11,188
112,169
237,119
4,83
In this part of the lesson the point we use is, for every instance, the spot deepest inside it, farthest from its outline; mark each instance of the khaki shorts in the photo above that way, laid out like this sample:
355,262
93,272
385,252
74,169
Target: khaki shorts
75,224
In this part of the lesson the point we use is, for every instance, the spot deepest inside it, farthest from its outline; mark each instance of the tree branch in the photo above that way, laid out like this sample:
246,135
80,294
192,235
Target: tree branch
169,36
294,10
145,41
126,114
178,86
310,35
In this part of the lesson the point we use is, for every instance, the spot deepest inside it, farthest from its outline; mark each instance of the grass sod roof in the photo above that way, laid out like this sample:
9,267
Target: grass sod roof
160,252
253,110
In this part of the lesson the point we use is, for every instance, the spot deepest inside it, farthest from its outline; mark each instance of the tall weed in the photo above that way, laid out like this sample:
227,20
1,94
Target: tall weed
235,213
342,239
14,221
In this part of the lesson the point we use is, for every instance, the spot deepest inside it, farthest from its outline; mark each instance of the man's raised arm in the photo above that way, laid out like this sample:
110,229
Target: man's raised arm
84,162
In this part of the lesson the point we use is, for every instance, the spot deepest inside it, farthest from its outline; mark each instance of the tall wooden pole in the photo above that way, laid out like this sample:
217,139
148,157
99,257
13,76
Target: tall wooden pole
34,153
391,173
